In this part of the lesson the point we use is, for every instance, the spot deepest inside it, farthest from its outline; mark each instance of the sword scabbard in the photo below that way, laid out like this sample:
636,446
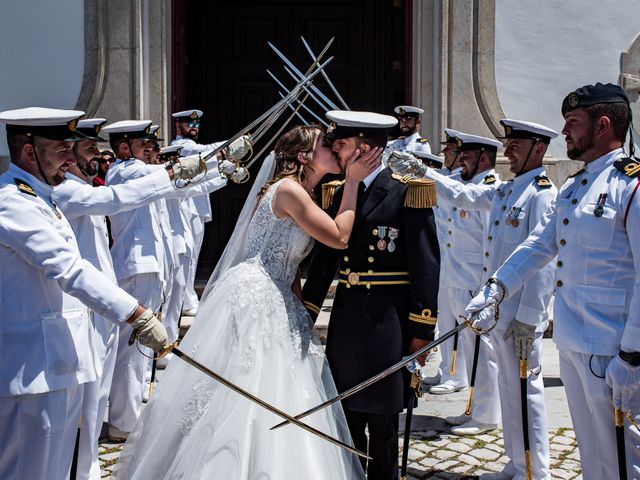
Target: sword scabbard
469,402
453,363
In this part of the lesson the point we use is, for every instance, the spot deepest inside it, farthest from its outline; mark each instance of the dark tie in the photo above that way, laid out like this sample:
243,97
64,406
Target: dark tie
361,195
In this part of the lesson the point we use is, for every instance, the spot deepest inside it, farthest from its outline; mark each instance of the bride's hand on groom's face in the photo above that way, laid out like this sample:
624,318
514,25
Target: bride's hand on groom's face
363,161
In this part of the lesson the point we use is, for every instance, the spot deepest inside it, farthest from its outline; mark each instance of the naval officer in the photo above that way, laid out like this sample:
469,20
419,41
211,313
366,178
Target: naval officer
594,230
385,305
409,123
46,340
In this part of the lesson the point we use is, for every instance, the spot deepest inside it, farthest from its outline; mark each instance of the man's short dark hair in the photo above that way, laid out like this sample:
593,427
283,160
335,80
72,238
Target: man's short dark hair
617,113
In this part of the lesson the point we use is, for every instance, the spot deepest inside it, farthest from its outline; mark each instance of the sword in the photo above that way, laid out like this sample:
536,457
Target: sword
210,373
415,392
454,353
298,75
376,378
326,77
525,418
292,108
622,457
286,90
474,369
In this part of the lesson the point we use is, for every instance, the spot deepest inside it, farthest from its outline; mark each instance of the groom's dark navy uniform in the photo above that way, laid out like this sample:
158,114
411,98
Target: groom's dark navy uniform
386,295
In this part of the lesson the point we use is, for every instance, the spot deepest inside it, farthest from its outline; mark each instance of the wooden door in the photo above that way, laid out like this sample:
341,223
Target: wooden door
225,54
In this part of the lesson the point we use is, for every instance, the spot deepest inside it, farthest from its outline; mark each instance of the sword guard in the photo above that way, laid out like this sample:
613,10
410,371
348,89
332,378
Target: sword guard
166,351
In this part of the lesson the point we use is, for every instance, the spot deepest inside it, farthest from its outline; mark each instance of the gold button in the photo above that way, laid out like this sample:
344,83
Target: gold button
370,272
559,283
348,286
449,245
560,263
574,201
370,259
346,259
375,231
371,247
347,270
563,241
368,286
565,221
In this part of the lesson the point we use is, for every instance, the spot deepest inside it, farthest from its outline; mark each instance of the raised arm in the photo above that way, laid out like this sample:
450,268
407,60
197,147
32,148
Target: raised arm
468,196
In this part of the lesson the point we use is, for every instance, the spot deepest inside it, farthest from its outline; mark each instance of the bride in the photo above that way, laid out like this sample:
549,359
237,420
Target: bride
252,328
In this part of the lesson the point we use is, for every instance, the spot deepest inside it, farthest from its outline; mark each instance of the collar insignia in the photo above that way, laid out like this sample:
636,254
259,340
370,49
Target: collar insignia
24,187
543,182
489,179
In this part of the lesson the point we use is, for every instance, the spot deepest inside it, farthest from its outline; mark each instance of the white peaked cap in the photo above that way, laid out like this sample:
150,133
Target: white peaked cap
195,113
521,129
404,109
468,140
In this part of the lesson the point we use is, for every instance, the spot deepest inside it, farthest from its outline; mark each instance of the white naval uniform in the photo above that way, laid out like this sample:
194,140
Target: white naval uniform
201,206
525,201
139,255
461,262
465,197
597,300
85,206
47,347
412,143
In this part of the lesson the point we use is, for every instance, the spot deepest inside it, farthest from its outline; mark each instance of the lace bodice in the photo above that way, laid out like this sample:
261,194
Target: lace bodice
279,244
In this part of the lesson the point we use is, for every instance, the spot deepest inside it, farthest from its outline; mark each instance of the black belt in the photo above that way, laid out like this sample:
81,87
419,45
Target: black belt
372,279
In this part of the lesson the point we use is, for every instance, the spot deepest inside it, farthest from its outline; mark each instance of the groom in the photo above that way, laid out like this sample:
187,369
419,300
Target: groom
386,301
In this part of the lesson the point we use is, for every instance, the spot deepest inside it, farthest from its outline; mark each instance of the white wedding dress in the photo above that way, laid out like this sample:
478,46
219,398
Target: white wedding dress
251,329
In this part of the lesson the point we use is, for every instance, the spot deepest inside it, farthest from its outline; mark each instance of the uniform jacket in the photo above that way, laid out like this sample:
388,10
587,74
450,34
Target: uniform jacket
370,328
412,143
594,230
45,285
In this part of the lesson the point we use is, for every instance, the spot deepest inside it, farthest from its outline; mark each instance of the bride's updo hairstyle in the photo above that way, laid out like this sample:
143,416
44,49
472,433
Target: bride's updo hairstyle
298,140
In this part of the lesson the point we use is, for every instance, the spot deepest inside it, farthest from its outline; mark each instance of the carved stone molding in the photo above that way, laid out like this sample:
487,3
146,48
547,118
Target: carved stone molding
95,56
630,80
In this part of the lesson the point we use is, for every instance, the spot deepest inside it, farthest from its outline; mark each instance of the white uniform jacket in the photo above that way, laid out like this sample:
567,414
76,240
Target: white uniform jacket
46,287
463,230
201,203
412,143
598,264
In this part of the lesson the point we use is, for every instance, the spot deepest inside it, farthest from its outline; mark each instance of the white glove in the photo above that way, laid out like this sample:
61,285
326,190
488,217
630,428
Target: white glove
240,175
523,335
238,148
227,168
403,163
148,330
481,309
624,380
185,168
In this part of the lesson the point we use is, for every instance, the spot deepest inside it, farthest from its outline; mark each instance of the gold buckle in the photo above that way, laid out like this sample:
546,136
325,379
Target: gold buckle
353,278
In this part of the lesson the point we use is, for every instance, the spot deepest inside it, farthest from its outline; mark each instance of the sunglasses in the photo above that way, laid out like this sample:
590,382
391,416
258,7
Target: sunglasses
194,124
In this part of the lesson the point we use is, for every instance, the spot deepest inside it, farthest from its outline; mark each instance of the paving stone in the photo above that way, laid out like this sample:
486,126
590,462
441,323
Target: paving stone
445,454
564,440
561,473
494,466
561,448
459,447
468,459
414,454
485,454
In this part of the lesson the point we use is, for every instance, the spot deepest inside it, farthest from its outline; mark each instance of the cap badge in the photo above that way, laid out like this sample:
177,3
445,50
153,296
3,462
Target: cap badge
73,124
402,111
147,130
572,100
194,115
458,142
508,129
331,127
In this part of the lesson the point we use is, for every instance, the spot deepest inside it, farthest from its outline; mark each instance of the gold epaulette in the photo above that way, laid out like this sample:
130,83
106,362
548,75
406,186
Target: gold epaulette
421,193
424,317
328,191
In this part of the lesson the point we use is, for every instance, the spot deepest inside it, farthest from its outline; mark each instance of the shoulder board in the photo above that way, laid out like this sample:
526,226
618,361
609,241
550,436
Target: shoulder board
401,178
24,187
543,182
489,179
421,193
577,173
629,166
328,191
422,140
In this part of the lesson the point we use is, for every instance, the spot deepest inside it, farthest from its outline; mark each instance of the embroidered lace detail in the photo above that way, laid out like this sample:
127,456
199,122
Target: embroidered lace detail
197,406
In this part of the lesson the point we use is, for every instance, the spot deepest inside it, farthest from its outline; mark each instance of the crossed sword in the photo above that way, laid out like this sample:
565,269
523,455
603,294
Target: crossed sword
295,420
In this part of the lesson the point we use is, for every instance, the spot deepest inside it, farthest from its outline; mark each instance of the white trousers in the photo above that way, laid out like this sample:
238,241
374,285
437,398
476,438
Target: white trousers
173,307
591,408
485,407
38,434
451,303
125,399
94,407
190,296
511,407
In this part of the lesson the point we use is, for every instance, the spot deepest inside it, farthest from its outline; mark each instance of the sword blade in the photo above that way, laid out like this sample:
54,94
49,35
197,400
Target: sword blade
207,371
293,109
376,378
304,106
325,75
622,457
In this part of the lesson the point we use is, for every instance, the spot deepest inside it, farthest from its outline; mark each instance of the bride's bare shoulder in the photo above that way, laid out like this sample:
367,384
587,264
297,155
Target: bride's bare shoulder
289,193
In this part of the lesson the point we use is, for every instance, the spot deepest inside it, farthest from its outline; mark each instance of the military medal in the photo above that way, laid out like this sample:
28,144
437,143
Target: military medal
463,213
512,217
393,234
382,244
599,210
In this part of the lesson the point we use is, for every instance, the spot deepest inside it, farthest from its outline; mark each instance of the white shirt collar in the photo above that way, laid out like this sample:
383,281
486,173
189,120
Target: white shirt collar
597,165
368,180
42,189
479,177
411,138
528,176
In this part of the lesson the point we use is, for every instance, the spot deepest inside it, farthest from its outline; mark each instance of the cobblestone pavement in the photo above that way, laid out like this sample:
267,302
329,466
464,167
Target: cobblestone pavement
434,454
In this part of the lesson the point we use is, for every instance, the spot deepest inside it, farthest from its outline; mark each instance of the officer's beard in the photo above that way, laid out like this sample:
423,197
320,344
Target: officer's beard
87,167
583,146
